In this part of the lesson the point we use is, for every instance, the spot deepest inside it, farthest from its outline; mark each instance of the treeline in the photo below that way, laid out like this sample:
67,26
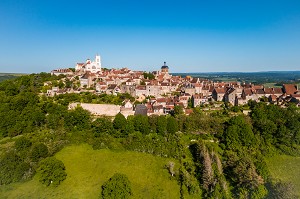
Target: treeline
6,77
221,155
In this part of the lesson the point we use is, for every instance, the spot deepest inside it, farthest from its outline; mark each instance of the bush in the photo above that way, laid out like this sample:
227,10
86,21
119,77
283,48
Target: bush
13,169
52,171
22,144
39,151
118,186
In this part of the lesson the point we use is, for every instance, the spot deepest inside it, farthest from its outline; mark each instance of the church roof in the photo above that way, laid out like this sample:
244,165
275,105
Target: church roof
164,66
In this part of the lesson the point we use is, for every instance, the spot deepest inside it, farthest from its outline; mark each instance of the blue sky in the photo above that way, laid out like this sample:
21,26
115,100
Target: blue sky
191,36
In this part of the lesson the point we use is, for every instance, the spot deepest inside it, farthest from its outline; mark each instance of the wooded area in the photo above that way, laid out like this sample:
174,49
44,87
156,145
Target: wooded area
221,153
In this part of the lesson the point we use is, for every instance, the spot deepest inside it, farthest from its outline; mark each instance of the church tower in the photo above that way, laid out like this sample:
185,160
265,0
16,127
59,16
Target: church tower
98,62
164,69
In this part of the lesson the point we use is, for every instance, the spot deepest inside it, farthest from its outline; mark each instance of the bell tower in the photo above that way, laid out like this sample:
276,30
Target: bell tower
98,62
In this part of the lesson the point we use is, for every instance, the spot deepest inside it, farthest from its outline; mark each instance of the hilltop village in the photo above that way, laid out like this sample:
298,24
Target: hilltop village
158,92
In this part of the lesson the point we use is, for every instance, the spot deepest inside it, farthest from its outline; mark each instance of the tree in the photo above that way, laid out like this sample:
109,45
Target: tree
191,102
178,110
172,125
161,125
141,124
239,133
129,128
102,125
119,122
52,171
78,119
118,186
148,76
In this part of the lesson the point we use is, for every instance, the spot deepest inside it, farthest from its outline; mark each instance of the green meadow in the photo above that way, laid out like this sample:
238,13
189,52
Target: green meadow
286,168
88,169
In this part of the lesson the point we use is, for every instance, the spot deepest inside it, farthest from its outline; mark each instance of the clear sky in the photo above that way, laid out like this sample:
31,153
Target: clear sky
191,36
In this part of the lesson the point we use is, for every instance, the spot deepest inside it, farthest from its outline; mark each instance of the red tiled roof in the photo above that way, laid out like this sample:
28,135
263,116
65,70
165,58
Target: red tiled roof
277,90
268,90
140,88
290,88
248,91
220,90
161,100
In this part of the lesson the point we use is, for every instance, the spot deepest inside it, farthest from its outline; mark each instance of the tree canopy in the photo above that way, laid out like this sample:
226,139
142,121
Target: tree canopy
118,186
52,171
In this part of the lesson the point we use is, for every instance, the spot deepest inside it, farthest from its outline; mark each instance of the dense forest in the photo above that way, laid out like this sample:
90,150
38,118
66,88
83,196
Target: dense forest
221,153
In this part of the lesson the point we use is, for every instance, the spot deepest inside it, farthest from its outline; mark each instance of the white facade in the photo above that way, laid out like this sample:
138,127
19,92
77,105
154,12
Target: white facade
90,66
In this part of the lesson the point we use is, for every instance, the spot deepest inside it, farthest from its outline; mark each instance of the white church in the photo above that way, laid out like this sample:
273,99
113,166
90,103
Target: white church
90,66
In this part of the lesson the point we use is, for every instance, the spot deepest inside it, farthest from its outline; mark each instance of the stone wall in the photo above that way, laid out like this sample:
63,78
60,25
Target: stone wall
98,109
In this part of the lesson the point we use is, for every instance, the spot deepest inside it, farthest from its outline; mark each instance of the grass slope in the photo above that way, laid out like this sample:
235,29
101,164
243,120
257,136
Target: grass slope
88,169
286,168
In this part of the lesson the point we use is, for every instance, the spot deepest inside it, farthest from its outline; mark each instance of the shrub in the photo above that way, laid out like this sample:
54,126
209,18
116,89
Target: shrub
52,171
39,151
118,186
13,169
22,144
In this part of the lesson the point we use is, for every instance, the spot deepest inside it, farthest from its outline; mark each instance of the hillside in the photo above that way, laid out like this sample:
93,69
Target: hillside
286,168
88,169
217,154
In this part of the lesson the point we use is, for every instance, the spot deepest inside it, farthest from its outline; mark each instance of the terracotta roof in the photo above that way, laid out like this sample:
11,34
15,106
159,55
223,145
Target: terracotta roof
199,96
248,91
273,97
62,70
165,84
259,91
161,100
112,86
257,87
194,80
277,90
296,95
268,90
183,98
290,88
220,90
101,83
140,88
158,107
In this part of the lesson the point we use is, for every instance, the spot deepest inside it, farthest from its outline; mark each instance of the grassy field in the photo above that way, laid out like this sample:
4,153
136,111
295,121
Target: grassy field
271,85
88,169
287,169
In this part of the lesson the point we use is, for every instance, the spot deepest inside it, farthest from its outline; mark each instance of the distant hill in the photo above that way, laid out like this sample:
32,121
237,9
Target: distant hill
253,77
5,76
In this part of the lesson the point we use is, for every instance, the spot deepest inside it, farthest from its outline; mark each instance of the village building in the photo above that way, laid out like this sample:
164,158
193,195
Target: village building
62,71
218,94
90,66
290,89
230,96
